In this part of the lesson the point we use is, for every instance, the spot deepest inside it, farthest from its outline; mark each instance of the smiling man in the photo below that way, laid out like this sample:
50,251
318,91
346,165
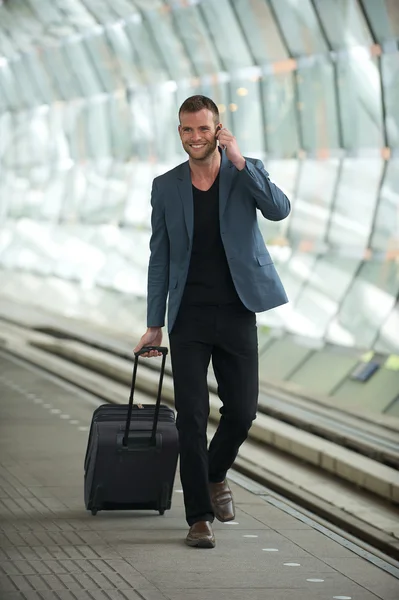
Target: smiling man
208,255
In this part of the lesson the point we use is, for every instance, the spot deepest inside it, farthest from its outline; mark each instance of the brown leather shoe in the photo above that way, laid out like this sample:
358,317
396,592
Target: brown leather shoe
201,535
222,501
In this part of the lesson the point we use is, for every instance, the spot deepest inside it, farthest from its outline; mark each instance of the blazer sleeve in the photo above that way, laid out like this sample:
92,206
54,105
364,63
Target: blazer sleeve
158,267
271,201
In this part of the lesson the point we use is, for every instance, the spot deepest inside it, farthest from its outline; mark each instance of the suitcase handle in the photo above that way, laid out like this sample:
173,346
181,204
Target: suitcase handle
145,349
132,388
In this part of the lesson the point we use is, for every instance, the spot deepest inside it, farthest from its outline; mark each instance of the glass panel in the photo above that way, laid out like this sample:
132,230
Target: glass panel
80,64
116,191
193,32
105,64
58,142
299,23
40,142
76,130
367,304
4,107
227,35
7,146
280,113
124,53
6,159
120,126
247,117
150,65
355,203
79,14
386,229
78,259
142,124
101,11
9,86
171,47
343,23
311,213
138,207
24,152
384,18
98,127
54,195
15,188
125,261
317,106
91,209
58,66
390,78
283,173
262,33
7,47
360,101
388,340
27,199
166,141
294,273
41,76
320,299
27,91
75,189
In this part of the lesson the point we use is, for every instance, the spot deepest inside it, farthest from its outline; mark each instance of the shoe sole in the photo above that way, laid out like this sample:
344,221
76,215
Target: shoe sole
225,520
218,516
200,543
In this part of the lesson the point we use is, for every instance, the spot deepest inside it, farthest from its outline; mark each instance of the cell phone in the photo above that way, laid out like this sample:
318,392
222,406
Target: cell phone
218,128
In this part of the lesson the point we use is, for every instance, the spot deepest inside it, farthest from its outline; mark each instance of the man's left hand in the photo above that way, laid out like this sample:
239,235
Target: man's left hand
229,143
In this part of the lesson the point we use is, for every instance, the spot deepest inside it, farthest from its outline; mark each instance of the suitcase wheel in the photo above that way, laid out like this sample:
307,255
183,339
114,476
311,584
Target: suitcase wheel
162,511
94,512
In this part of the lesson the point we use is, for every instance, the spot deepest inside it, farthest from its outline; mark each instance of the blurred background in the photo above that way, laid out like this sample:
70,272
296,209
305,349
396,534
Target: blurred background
89,96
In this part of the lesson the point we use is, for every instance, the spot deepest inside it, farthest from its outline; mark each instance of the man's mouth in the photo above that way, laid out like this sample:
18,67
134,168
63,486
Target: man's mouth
197,146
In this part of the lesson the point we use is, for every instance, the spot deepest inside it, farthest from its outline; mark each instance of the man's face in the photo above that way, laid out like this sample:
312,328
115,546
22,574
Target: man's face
197,133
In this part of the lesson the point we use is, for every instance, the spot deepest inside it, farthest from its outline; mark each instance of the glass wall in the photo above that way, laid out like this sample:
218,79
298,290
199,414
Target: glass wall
89,95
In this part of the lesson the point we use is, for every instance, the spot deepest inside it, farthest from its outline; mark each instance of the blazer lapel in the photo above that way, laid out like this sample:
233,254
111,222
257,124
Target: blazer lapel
225,181
186,195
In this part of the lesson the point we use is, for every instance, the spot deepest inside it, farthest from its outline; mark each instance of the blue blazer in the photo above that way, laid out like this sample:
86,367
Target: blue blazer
241,194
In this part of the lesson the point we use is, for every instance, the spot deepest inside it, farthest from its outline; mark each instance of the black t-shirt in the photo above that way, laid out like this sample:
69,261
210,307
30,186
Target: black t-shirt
209,280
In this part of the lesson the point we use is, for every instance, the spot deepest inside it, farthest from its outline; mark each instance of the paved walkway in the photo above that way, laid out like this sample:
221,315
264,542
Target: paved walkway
52,549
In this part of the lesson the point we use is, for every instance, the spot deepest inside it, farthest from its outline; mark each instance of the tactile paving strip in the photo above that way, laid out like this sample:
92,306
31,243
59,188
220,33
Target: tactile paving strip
43,557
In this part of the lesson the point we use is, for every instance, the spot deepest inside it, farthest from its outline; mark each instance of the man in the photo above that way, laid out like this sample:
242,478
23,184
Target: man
208,254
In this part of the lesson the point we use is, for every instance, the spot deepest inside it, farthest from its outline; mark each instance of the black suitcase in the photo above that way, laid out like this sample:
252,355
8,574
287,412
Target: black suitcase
131,454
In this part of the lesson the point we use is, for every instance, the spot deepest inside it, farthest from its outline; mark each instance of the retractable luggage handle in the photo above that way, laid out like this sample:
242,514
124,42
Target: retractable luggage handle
143,350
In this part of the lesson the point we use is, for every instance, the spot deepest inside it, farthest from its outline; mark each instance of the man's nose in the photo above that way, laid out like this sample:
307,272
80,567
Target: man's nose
196,136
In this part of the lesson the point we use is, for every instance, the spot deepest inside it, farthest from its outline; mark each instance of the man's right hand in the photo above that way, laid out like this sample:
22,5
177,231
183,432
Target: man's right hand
152,337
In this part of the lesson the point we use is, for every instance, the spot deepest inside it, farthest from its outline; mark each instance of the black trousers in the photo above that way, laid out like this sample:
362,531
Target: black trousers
228,335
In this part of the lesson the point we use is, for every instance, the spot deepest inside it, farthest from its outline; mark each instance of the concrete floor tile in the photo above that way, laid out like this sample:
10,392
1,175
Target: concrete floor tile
180,559
270,516
317,544
260,594
244,579
367,575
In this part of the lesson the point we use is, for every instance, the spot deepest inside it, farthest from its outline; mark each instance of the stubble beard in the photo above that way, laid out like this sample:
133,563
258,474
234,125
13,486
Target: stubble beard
208,150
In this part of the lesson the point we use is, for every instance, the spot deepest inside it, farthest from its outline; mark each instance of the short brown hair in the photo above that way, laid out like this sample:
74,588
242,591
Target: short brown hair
197,103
